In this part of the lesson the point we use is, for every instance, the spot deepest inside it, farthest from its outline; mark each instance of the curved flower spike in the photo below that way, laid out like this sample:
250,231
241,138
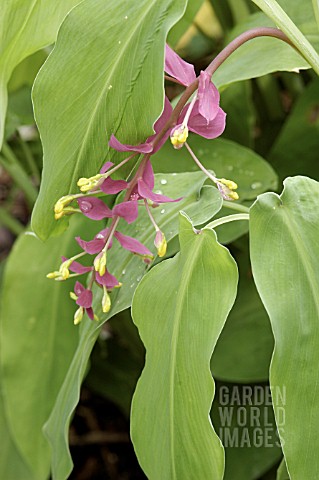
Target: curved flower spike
177,68
94,208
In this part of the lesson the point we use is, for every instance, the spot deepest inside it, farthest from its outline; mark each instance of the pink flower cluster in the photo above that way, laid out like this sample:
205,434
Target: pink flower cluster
203,116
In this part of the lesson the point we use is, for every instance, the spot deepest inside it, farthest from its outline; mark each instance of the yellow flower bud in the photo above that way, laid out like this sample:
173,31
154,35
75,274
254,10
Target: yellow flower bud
100,263
73,296
106,301
229,183
53,274
78,315
87,184
65,273
61,204
82,181
160,243
233,195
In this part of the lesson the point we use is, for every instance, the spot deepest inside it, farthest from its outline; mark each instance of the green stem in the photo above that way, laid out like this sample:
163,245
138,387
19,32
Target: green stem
12,165
274,11
10,222
235,206
229,218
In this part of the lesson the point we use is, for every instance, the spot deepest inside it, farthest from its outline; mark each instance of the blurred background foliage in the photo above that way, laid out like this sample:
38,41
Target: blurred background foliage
272,132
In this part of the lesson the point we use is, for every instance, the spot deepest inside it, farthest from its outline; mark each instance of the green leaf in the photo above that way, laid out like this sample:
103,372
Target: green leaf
245,346
227,159
282,473
285,262
180,308
274,11
129,269
26,26
12,464
107,61
38,340
301,133
24,74
262,55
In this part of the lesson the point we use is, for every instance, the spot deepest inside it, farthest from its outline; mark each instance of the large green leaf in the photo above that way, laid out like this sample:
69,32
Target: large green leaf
129,270
301,133
180,308
37,338
12,464
104,76
285,262
26,26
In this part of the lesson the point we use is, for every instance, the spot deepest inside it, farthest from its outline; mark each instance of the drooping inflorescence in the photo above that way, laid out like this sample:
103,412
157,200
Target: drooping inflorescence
203,116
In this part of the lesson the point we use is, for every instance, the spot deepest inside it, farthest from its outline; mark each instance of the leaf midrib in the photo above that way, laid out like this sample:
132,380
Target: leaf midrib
185,275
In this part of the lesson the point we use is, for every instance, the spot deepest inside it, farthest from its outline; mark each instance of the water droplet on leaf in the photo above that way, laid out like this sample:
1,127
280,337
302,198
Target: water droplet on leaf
86,206
163,181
